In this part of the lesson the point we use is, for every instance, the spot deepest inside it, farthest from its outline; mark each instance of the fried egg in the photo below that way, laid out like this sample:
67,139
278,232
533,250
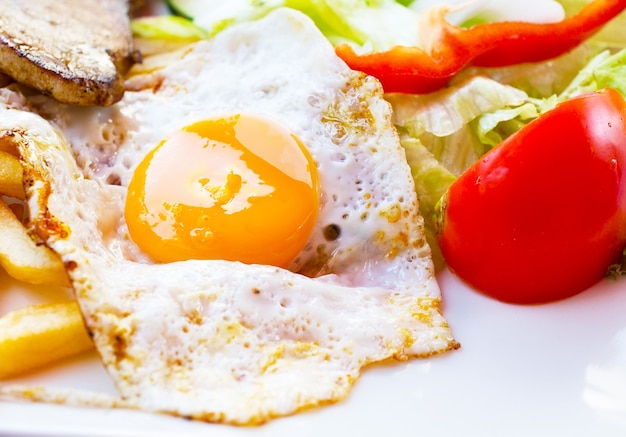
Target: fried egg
241,230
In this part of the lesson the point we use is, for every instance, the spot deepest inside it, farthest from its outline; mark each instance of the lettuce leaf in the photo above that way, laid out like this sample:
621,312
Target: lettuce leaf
469,13
372,25
605,70
447,131
431,181
431,178
539,79
167,27
368,25
461,123
216,15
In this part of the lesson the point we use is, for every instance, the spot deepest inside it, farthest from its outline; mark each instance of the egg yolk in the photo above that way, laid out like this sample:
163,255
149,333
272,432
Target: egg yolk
241,188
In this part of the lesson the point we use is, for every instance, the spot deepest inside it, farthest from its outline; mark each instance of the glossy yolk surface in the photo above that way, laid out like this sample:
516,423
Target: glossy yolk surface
241,188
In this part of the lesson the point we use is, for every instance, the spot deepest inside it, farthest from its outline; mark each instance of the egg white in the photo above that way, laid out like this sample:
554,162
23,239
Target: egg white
224,341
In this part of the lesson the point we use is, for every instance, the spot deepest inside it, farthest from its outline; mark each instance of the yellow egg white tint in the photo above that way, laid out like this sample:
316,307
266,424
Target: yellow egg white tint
239,188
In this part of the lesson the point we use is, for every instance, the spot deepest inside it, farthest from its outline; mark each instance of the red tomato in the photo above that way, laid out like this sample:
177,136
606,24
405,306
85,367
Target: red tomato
542,216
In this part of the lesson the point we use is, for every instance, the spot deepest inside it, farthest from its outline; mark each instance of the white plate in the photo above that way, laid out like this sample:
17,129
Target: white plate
532,371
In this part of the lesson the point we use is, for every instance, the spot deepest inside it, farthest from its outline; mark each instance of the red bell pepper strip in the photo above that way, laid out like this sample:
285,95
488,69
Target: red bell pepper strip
418,71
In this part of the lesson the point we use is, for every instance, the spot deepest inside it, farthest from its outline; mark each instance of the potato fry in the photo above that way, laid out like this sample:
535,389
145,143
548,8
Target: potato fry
8,144
38,335
11,174
24,259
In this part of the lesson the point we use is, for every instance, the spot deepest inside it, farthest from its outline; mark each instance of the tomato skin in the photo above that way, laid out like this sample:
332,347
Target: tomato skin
542,216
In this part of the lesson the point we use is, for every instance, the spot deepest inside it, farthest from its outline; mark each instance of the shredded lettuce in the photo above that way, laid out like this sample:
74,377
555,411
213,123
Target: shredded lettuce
605,70
445,132
493,127
431,178
457,125
216,15
460,123
540,79
371,25
468,13
431,181
167,27
368,25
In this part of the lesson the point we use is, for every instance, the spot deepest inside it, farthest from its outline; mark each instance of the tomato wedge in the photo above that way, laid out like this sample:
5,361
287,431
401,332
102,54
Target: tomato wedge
542,216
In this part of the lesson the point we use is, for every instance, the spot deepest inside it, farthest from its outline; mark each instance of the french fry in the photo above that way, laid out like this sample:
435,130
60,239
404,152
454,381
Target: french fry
11,174
24,259
38,335
8,144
